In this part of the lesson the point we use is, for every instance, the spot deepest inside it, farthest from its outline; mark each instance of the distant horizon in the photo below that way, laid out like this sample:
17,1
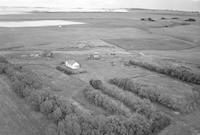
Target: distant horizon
45,7
174,5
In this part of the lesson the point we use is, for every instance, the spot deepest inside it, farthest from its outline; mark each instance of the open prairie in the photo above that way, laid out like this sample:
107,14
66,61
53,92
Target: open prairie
145,79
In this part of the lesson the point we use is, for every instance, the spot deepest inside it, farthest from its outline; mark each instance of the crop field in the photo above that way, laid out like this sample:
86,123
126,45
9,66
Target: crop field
139,74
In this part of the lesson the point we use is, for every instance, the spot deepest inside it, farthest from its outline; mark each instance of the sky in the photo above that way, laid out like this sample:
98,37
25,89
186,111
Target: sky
185,5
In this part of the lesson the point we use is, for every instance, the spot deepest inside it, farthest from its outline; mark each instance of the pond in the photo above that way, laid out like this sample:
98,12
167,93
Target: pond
38,23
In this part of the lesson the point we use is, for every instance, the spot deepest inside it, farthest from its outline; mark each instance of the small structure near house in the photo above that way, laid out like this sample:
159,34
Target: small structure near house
190,20
47,53
94,56
72,64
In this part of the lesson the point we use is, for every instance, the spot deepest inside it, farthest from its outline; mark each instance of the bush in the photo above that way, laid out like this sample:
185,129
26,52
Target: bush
3,60
69,71
51,129
47,107
137,125
26,92
66,107
175,18
190,20
18,87
115,126
159,122
72,126
31,79
36,98
2,68
151,20
10,72
102,100
91,125
56,115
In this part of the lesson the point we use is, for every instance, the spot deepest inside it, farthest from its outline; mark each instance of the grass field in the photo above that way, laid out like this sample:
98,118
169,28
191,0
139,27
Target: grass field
155,65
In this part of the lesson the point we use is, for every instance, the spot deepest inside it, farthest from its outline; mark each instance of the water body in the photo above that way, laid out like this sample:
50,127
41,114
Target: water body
38,23
26,10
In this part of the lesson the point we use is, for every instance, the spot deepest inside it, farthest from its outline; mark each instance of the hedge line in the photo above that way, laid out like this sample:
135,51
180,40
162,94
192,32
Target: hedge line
138,105
113,106
134,102
175,72
154,95
69,71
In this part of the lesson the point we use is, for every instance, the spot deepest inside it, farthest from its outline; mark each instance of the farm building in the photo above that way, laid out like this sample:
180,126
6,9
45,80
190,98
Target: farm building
72,64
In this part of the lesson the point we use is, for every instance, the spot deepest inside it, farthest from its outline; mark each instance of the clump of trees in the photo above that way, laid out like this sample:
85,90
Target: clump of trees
98,98
66,70
151,93
147,19
190,20
138,105
175,72
3,59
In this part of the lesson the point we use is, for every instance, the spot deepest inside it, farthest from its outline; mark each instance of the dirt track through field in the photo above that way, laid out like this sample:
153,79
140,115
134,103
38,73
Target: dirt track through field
16,118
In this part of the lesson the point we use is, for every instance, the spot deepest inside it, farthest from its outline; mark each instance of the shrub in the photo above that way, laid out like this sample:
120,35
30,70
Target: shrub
56,115
26,92
61,127
115,126
31,79
3,59
2,68
102,100
137,125
47,107
10,72
190,20
51,129
151,20
90,125
66,107
192,101
18,87
175,18
72,126
159,122
36,98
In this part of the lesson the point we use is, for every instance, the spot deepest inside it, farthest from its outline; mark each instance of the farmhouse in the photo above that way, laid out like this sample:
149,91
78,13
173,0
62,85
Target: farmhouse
72,64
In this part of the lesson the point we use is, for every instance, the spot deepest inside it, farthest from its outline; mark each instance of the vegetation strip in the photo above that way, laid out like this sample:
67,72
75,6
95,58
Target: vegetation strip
186,105
178,73
68,71
113,106
68,118
138,105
